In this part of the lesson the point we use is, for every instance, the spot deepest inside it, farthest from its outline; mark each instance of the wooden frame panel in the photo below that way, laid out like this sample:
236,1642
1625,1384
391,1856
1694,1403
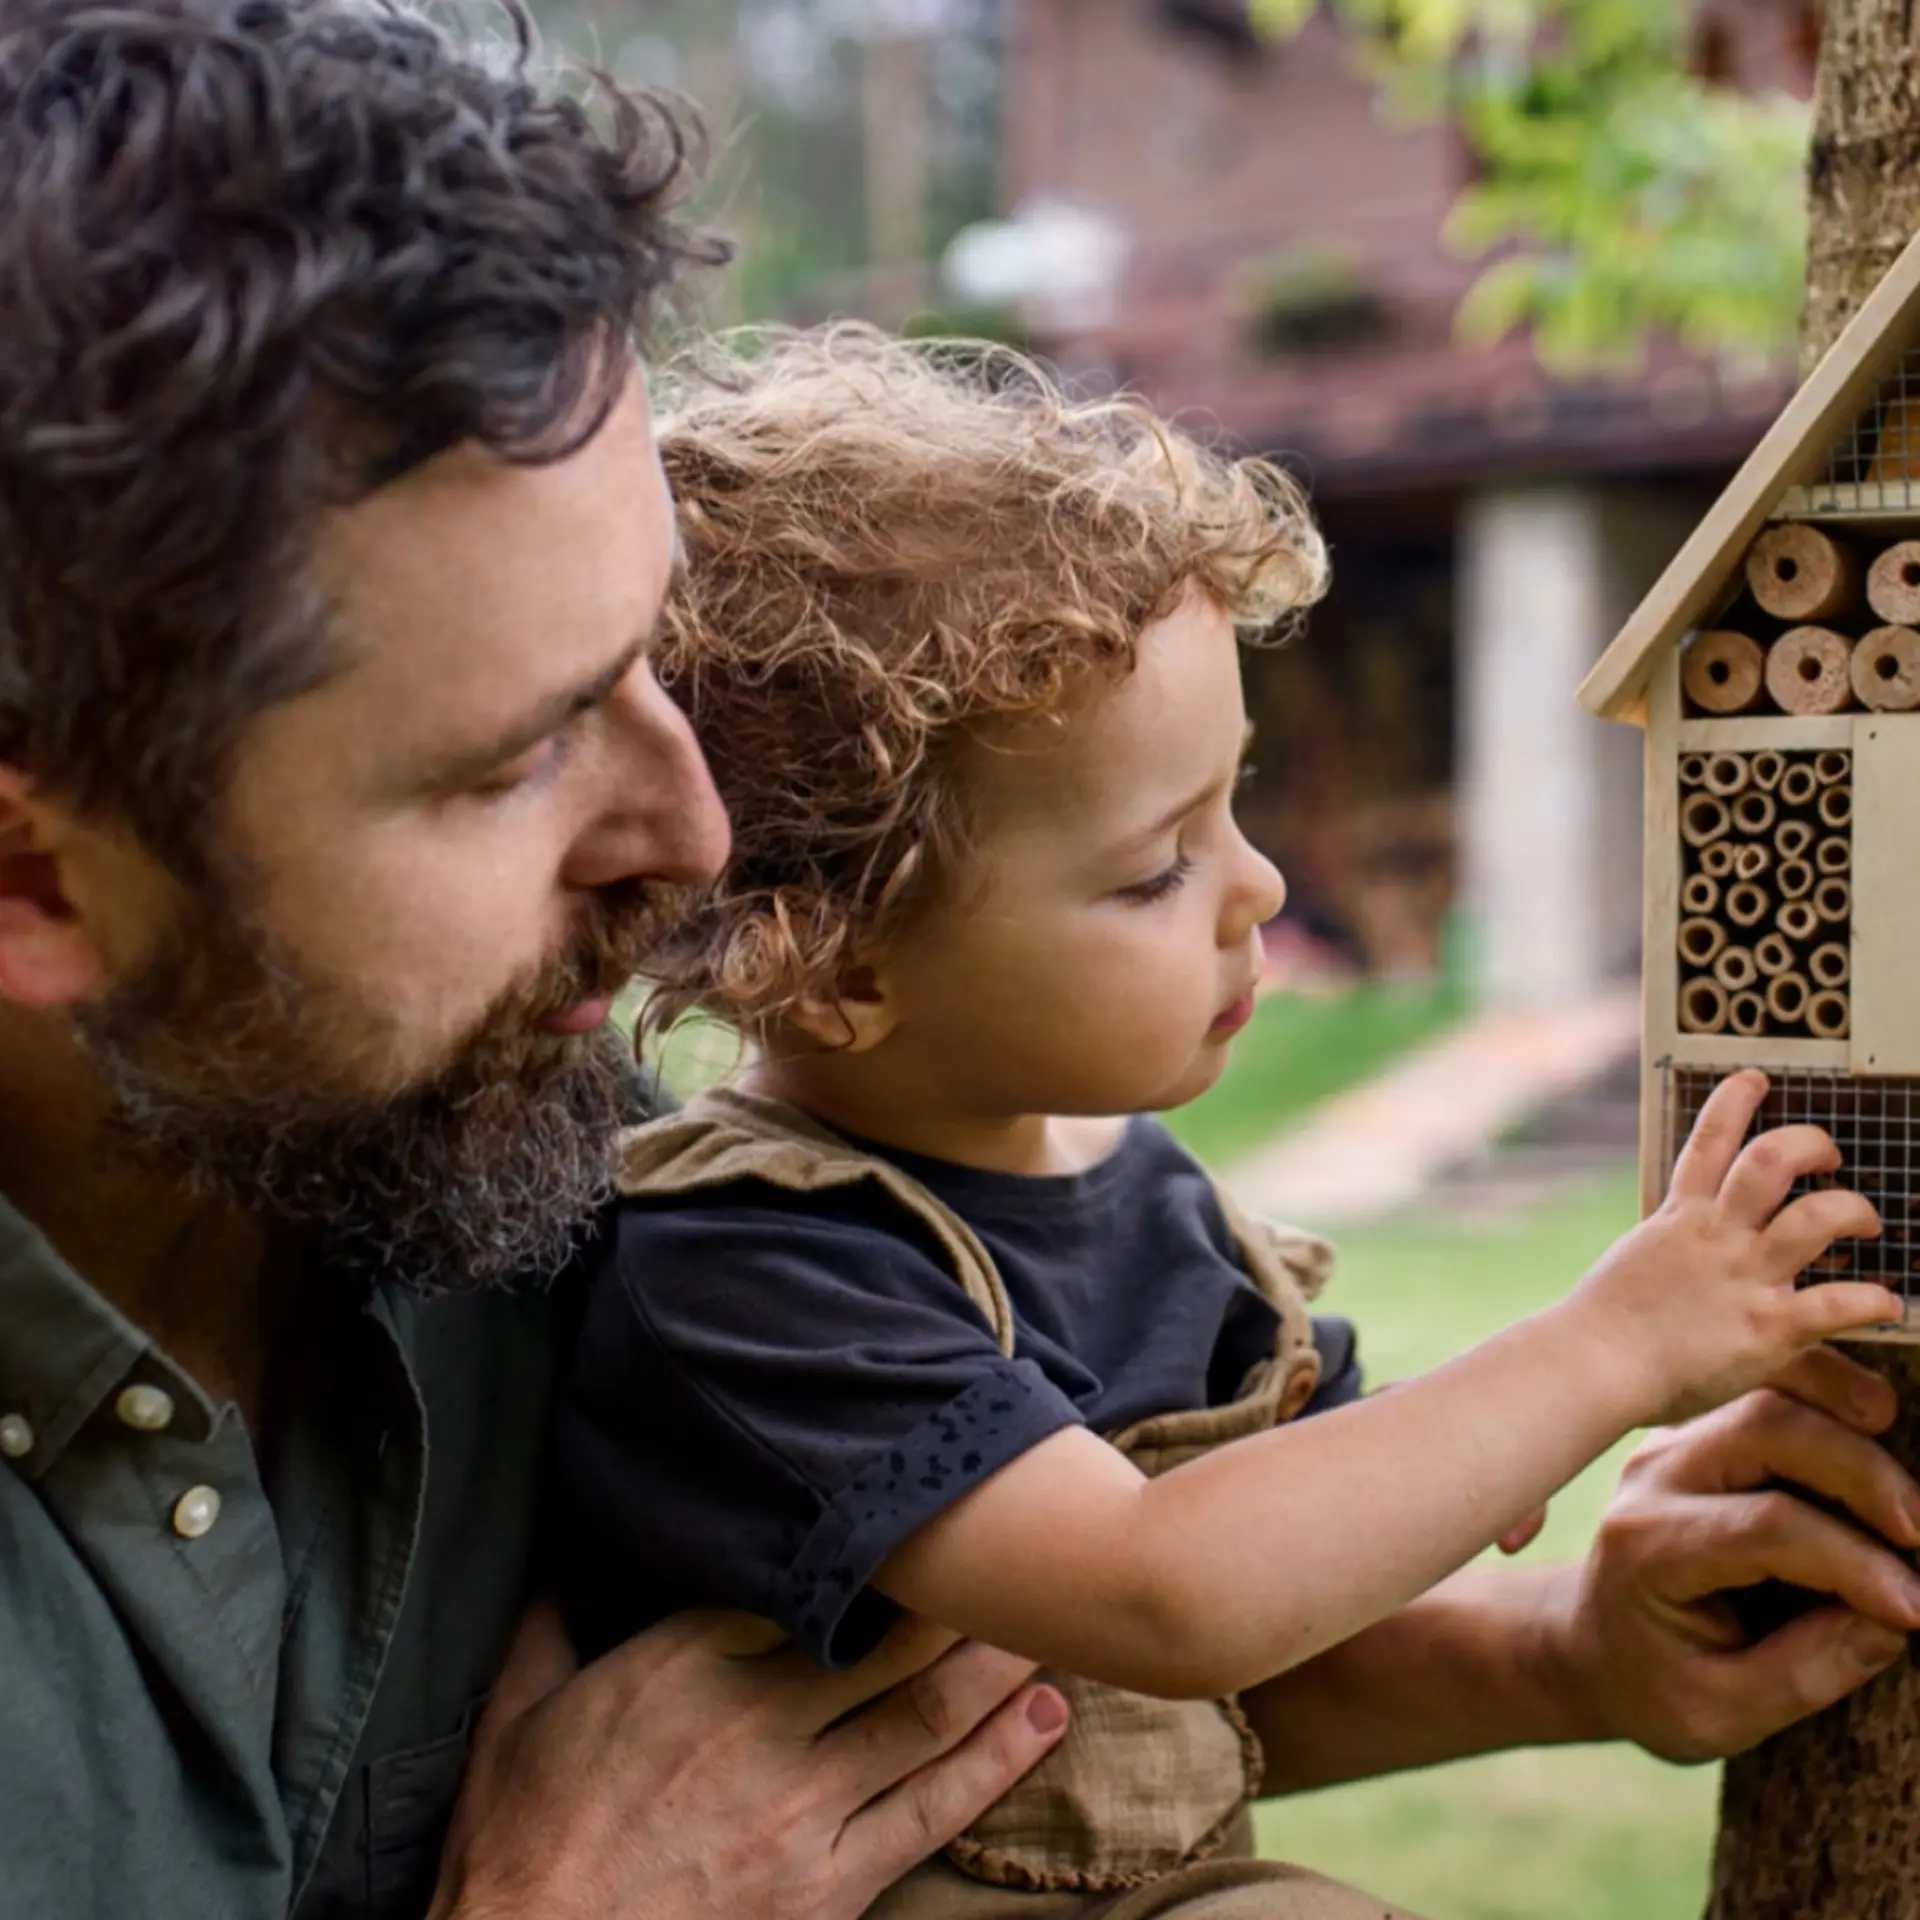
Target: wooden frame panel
1886,895
1785,732
1660,915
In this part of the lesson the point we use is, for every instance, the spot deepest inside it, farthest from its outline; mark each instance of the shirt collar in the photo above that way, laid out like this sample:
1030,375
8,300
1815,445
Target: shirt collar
64,1351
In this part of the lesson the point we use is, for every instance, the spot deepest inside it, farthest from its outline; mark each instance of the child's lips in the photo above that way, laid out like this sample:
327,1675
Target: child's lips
1231,1019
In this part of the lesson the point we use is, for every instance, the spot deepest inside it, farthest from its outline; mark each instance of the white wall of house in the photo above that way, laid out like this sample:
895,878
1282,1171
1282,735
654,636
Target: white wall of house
1550,796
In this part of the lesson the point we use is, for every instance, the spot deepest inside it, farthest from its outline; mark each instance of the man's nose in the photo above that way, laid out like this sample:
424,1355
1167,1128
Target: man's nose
664,820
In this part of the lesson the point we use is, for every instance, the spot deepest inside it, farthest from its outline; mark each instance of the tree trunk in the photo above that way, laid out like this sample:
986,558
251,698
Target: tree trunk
1823,1822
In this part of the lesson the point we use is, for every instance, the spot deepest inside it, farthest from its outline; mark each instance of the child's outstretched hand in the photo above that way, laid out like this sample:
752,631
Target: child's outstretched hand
1701,1295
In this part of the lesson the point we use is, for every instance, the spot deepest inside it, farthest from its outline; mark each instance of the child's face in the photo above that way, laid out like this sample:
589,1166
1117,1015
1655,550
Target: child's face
1108,950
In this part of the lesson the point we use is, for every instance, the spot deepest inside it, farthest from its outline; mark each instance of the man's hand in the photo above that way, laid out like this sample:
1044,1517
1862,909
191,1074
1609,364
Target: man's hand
1652,1649
691,1773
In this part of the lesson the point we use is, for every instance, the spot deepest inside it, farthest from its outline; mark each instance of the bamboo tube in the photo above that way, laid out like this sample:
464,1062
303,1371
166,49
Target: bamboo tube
1701,941
1751,861
1793,837
1827,1016
1834,854
1807,671
1797,785
1886,670
1766,767
1693,769
1747,904
1832,766
1772,954
1787,997
1735,967
1833,901
1727,774
1703,1007
1747,1014
1797,920
1703,818
1699,894
1754,812
1836,806
1716,860
1798,572
1893,584
1723,672
1830,965
1795,879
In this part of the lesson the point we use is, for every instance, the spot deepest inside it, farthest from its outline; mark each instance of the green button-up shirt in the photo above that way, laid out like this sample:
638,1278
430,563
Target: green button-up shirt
235,1695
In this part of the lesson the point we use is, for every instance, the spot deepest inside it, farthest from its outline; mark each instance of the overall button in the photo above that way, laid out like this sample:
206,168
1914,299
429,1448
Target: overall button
195,1512
146,1408
16,1435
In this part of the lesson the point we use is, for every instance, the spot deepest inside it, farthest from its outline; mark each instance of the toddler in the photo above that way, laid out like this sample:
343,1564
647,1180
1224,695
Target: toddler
929,1313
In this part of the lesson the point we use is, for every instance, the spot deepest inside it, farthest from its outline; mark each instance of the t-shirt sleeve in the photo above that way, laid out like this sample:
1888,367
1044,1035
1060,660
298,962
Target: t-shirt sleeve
1341,1380
770,1394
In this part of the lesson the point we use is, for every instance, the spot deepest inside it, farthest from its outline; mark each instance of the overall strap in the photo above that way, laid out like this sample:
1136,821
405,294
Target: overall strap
724,1135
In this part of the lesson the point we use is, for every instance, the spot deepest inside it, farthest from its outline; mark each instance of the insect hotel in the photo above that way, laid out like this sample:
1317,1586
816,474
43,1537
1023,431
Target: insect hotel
1775,667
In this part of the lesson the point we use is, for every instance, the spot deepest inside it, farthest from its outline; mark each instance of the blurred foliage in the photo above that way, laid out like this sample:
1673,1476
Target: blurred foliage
786,89
1619,193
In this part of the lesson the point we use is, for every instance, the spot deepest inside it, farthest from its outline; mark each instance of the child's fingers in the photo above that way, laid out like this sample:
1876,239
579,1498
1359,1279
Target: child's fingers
1837,1306
1803,1230
1767,1168
1714,1143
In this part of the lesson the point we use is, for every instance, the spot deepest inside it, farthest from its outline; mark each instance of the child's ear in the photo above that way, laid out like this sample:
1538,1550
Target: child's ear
855,1017
48,956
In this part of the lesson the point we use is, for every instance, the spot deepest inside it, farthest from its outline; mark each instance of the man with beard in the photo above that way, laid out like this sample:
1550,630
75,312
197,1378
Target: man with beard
335,798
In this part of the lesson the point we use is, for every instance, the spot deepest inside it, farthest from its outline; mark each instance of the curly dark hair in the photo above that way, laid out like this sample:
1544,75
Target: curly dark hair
258,257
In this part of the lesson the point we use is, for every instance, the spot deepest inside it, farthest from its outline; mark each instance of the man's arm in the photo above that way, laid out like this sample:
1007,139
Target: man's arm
1638,1642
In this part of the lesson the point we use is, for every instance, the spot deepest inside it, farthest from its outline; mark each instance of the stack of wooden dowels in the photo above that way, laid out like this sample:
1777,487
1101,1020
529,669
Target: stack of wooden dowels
1849,630
1766,893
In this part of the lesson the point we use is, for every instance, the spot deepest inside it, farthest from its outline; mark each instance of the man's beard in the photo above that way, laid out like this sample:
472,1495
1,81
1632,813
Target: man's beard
215,1057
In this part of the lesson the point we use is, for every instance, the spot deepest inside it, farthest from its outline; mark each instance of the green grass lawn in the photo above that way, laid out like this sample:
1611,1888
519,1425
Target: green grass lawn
1301,1047
1576,1834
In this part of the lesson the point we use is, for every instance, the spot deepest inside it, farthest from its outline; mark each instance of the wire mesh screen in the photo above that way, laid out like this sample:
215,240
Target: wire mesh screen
1873,1122
1876,466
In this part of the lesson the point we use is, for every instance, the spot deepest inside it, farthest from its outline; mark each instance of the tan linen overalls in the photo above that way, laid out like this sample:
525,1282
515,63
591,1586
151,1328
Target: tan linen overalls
1141,1811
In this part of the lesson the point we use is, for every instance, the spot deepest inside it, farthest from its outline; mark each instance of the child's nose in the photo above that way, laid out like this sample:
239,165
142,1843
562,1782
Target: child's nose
1259,893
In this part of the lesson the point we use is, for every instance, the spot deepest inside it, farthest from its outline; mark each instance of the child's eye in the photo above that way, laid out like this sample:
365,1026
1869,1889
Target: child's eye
1171,880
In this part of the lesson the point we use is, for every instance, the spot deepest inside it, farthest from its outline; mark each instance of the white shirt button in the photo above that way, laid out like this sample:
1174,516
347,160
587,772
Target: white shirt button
195,1512
16,1435
146,1408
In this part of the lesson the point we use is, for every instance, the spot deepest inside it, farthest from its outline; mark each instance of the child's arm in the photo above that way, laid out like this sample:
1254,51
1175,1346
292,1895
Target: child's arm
1253,1558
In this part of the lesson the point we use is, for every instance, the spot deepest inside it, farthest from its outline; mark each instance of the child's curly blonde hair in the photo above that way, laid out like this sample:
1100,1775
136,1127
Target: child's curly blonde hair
894,551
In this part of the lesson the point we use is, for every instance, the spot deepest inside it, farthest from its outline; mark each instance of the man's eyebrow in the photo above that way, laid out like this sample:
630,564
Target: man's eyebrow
471,764
1181,808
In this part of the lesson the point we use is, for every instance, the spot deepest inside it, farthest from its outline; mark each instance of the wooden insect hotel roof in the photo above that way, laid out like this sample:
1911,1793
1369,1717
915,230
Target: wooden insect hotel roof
1778,480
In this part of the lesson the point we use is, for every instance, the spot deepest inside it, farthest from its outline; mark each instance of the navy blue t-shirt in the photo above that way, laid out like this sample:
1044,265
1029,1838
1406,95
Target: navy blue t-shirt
772,1391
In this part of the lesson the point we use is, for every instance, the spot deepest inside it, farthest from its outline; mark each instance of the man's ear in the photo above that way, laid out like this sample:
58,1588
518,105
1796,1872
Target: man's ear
854,1018
48,955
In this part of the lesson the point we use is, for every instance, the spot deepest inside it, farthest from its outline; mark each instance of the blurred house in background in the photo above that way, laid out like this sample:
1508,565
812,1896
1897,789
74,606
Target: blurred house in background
1147,192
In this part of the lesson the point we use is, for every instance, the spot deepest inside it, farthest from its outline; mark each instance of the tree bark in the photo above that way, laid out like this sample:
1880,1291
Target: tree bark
1823,1821
1863,168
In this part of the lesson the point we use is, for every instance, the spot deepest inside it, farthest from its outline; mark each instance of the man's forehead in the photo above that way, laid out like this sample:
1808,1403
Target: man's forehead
477,573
